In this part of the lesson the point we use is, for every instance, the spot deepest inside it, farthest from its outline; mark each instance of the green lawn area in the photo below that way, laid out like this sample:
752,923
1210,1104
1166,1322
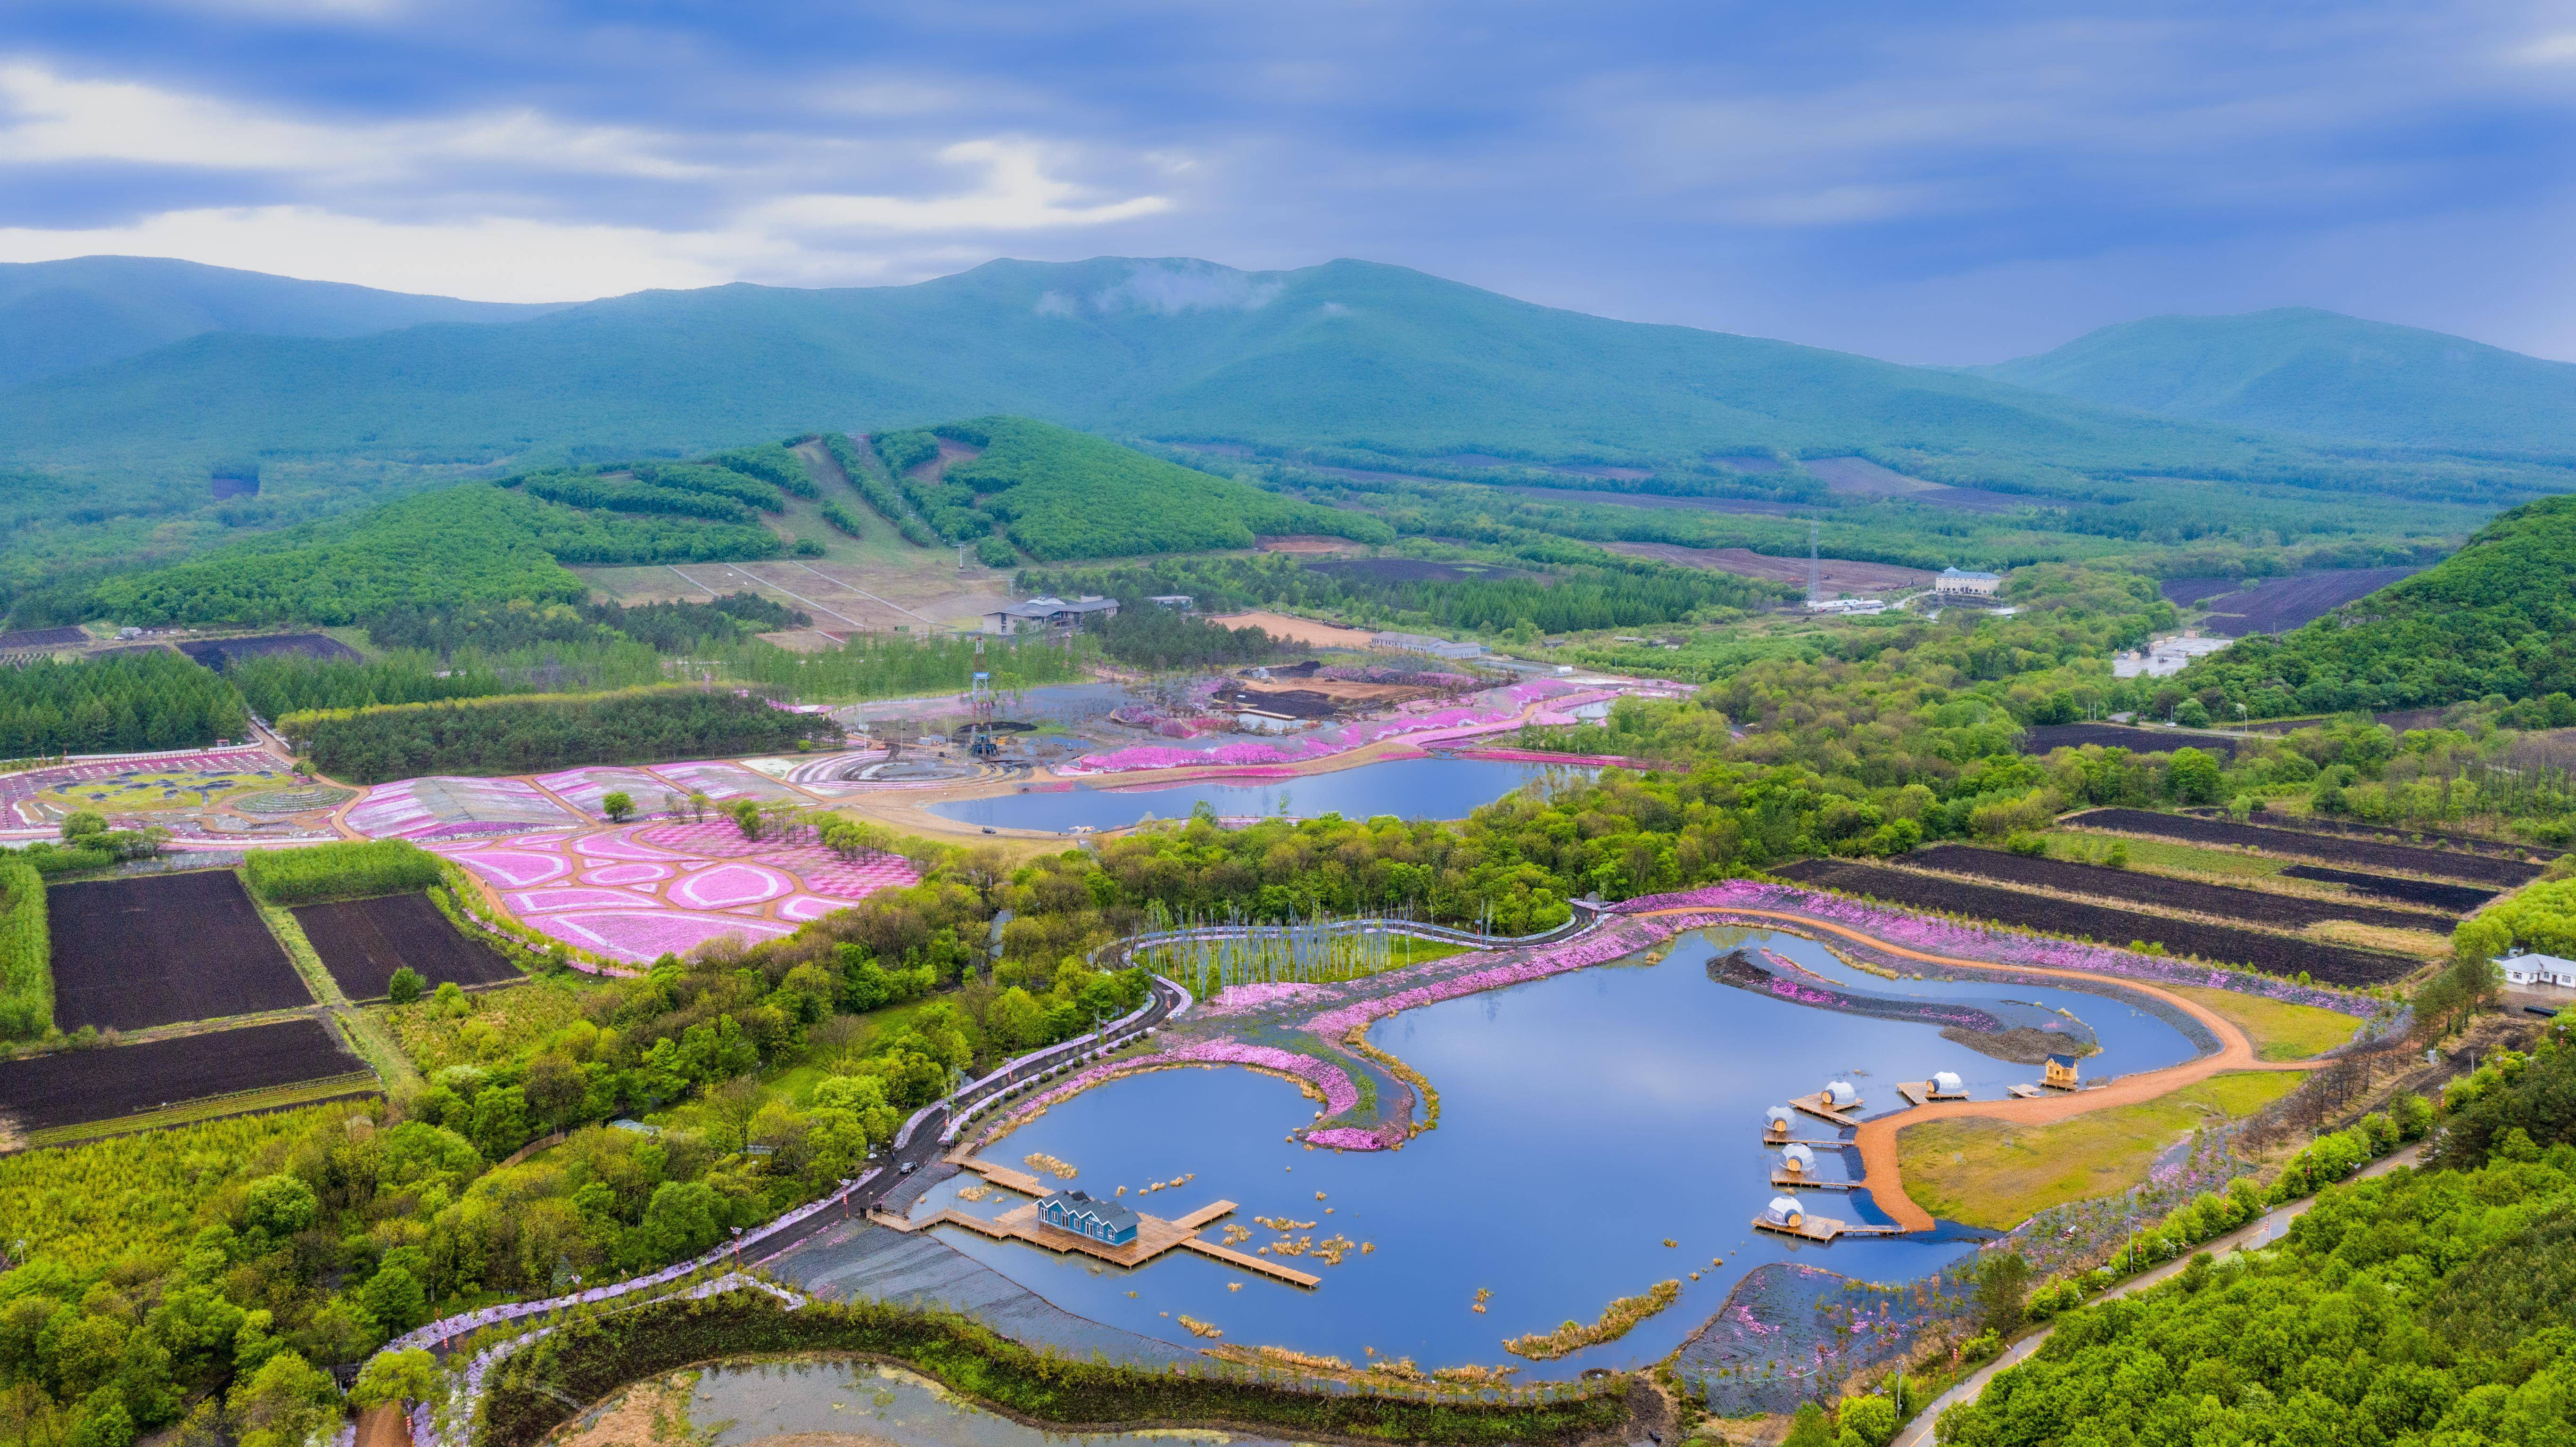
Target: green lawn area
1405,950
2280,1031
2157,856
1995,1174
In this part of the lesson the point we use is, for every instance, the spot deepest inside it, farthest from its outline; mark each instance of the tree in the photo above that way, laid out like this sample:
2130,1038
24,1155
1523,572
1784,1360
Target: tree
285,1403
617,806
2194,777
1015,1019
405,986
1867,1421
395,1298
2003,1281
277,1207
397,1377
1809,1429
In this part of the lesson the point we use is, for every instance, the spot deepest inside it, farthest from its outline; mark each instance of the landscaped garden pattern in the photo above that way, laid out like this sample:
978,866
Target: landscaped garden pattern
639,891
220,796
1493,711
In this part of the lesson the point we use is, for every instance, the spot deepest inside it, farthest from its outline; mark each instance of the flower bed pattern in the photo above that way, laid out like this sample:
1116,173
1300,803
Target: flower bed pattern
448,807
640,891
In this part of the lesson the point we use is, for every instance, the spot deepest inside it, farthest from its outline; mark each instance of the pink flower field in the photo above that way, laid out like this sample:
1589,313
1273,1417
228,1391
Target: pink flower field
639,891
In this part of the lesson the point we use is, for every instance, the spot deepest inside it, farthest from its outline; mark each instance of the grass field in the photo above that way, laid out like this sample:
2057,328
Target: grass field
496,1025
1995,1174
2424,944
2280,1031
2163,857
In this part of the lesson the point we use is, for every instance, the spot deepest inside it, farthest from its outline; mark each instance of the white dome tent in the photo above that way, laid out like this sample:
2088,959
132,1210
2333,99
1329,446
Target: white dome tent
1797,1160
1785,1211
1947,1082
1842,1095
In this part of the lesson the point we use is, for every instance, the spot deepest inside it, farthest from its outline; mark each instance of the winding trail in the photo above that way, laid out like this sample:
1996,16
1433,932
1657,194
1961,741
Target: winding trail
1877,1137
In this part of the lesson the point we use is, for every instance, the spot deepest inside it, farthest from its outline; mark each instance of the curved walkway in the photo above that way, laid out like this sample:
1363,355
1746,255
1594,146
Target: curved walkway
1877,1138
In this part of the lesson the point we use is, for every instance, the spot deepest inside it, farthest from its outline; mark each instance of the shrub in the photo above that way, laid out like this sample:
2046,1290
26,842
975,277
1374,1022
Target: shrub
405,986
26,957
340,871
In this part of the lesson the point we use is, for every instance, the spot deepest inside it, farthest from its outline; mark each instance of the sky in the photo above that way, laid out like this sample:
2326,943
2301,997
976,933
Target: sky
1949,183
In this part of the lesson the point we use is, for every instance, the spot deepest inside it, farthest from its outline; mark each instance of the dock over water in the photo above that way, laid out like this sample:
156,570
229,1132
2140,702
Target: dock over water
1917,1092
1821,1106
1825,1228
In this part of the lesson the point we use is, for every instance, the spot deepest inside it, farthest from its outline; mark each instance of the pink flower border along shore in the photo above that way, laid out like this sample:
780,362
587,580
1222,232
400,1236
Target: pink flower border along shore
1310,1033
1994,945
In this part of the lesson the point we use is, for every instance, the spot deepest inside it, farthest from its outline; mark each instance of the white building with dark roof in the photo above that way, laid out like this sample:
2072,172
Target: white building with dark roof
1045,613
1975,585
2524,968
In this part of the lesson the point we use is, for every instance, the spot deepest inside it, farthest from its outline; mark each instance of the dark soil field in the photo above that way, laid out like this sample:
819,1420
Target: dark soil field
2431,838
2277,605
1860,477
2367,854
158,949
1410,570
1840,575
2285,911
222,653
2456,898
363,941
74,1087
2273,954
42,638
2040,738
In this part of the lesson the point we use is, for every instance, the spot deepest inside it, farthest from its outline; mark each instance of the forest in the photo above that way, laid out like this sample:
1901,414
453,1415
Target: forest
515,734
150,698
1586,591
1063,494
2497,619
470,542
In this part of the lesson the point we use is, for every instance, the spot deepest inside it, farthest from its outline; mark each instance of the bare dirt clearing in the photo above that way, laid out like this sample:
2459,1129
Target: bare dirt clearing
1297,630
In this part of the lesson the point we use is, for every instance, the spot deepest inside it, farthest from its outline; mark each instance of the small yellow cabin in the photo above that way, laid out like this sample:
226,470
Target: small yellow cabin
2061,1073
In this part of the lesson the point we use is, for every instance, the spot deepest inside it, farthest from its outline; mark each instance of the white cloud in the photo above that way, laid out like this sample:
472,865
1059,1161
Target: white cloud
1169,288
486,259
2556,49
60,118
1016,195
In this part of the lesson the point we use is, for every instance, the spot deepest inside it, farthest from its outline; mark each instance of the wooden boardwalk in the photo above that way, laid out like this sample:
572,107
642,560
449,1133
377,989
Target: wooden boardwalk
1822,1108
1919,1092
1154,1234
1825,1228
1784,1181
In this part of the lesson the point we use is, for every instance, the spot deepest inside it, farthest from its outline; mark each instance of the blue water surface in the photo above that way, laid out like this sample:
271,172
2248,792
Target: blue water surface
1406,788
1586,1119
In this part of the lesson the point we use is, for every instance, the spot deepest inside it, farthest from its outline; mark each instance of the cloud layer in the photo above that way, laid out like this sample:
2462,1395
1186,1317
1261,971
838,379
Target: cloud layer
1947,183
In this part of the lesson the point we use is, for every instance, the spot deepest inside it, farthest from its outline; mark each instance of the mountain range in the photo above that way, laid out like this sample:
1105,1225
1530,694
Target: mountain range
148,366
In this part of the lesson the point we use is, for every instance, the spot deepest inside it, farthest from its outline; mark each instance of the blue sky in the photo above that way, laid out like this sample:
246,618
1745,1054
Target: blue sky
1945,183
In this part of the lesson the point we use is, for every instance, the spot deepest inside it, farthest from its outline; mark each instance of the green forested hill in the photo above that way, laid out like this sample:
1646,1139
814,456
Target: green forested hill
1062,494
2296,369
2498,616
62,316
1348,353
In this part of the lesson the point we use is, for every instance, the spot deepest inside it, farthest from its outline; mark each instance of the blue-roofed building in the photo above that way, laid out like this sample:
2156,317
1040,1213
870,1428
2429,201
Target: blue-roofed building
1106,1222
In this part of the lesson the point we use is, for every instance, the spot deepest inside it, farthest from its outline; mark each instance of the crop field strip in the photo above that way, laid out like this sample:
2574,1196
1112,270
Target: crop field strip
2412,838
2460,898
158,949
353,1086
2330,849
2226,902
2218,944
363,941
2040,738
80,1087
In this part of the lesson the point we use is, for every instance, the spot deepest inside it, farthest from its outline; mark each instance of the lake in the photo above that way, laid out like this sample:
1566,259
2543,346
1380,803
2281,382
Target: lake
1406,788
1586,1119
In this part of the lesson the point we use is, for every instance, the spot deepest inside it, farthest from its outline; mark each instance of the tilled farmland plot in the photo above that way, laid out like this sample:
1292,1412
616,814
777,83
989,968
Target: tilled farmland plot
363,941
2289,911
2456,898
2368,854
2274,954
74,1087
2416,838
158,949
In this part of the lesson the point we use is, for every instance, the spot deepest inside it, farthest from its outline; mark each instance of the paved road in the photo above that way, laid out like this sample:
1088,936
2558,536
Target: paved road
2265,1228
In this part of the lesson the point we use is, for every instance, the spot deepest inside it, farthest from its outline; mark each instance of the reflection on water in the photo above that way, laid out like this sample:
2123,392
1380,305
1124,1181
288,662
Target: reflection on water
1586,1120
736,1405
1406,788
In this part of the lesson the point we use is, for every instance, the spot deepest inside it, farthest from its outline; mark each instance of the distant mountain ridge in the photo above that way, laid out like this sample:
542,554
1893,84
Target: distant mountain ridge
58,317
1343,354
2319,373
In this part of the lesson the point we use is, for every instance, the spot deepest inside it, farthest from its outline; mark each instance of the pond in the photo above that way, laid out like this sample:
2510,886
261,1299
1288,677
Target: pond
1587,1119
1406,788
732,1406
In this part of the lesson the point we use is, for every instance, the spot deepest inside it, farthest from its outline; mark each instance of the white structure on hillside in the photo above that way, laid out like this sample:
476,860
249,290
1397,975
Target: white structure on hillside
2521,968
1425,643
1957,583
